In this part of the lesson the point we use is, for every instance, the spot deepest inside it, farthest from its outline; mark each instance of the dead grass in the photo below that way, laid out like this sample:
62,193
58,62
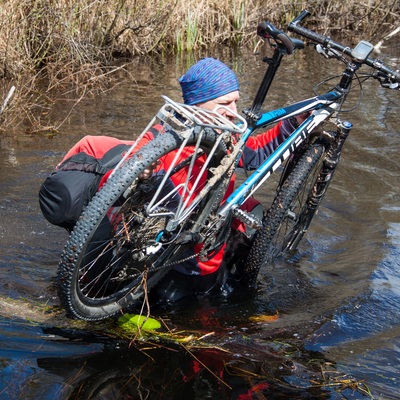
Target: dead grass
55,48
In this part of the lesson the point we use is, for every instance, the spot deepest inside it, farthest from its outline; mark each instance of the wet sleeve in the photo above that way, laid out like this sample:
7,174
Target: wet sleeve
258,148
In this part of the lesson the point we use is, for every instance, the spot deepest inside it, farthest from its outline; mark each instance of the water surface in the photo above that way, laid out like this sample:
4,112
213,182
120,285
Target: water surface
337,298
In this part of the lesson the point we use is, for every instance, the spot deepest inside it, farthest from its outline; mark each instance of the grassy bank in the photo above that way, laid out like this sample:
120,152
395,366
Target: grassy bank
49,46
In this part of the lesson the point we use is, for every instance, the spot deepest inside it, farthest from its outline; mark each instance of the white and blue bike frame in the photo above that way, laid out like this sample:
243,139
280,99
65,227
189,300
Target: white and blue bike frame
321,108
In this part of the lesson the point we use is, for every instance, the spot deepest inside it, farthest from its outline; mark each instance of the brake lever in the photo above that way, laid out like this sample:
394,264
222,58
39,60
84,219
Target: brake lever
390,85
327,53
386,82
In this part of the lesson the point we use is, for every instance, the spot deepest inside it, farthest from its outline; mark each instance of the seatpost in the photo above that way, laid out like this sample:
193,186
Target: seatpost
253,114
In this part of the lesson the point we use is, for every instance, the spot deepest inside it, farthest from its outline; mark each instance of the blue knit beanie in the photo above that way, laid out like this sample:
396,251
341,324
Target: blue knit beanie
206,80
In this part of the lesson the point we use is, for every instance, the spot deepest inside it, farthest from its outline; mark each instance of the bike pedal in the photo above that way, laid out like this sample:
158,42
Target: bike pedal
250,220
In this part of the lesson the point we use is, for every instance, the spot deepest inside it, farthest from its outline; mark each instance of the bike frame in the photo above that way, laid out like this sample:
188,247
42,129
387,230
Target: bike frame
322,107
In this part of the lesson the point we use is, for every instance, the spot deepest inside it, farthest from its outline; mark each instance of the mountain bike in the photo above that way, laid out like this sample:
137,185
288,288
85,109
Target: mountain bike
142,223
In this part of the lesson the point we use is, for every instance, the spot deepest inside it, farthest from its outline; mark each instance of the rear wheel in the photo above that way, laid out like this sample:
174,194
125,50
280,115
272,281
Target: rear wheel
290,213
119,249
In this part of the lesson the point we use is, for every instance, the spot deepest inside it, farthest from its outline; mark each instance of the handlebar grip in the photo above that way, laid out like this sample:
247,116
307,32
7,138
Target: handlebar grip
314,36
303,15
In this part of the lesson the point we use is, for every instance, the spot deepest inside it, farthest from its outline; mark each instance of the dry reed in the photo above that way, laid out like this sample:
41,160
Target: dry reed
49,46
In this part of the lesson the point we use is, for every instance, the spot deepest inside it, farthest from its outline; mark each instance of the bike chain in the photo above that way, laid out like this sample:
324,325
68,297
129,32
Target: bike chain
177,262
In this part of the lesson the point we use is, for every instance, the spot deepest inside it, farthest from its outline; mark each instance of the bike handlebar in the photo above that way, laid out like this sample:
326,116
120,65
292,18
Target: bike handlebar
326,41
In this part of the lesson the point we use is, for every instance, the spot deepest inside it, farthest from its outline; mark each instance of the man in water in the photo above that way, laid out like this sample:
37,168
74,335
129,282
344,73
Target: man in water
207,84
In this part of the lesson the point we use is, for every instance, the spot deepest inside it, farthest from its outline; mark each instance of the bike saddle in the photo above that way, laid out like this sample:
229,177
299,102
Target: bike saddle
268,31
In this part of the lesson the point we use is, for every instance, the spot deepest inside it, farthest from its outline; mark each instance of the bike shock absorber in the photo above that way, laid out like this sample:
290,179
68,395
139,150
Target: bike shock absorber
331,161
333,156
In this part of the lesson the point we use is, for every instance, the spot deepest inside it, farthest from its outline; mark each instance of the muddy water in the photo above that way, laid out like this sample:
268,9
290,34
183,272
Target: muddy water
337,298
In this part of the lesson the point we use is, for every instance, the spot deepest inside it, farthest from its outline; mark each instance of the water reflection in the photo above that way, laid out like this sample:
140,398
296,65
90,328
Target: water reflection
337,297
168,371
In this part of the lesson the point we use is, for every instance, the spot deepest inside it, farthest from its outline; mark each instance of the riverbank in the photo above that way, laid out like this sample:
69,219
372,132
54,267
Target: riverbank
53,49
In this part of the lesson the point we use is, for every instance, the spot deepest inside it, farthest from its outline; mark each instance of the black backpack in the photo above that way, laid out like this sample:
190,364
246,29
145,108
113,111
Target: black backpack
69,189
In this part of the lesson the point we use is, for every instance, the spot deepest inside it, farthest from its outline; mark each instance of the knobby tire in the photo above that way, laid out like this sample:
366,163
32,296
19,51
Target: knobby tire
289,215
100,273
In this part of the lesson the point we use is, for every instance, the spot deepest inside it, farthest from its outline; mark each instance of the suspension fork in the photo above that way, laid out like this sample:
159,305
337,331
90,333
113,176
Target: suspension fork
330,163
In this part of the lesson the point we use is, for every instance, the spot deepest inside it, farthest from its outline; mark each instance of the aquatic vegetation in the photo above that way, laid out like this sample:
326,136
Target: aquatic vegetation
135,322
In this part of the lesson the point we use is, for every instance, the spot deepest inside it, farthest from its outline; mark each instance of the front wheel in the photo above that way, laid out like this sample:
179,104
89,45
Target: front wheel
290,213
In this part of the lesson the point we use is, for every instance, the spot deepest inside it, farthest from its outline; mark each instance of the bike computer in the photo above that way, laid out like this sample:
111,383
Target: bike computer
362,50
